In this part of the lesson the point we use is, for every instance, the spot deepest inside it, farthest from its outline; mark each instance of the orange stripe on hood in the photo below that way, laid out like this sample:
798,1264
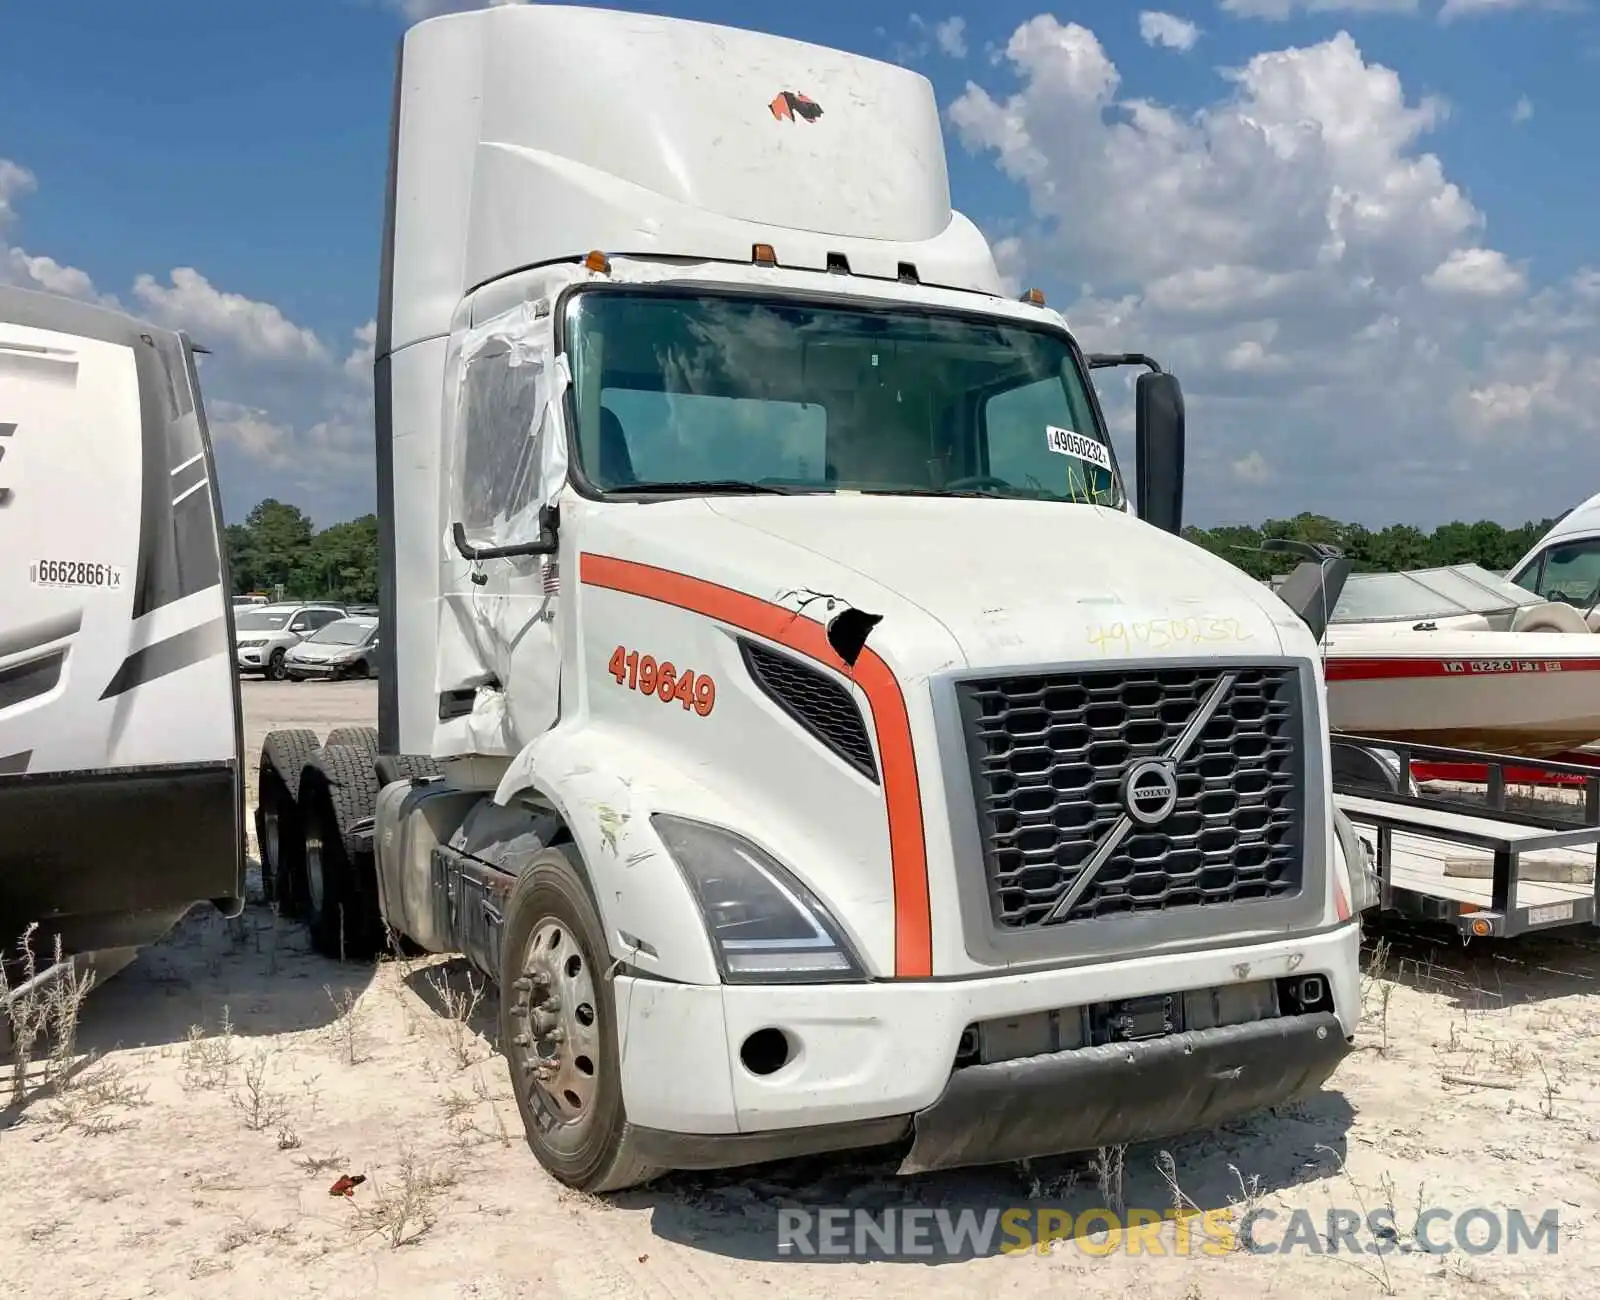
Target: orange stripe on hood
908,854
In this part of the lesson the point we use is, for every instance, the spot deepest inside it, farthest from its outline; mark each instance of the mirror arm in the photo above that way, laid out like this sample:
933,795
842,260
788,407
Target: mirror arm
544,544
1104,360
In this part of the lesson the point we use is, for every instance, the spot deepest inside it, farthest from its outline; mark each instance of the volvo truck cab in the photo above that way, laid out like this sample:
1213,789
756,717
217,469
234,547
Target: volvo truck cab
789,705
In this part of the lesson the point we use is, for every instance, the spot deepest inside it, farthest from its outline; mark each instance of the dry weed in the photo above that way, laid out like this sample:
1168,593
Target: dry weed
406,1210
349,1028
1108,1170
208,1063
460,1006
261,1107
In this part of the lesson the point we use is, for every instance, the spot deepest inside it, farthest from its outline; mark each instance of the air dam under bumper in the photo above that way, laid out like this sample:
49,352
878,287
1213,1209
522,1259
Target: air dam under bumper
1123,1092
876,1064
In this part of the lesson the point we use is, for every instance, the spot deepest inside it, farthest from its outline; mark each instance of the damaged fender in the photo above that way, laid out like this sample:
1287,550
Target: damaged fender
650,916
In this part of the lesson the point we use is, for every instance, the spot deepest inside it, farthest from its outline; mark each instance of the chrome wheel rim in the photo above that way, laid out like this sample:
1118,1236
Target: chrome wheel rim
556,1046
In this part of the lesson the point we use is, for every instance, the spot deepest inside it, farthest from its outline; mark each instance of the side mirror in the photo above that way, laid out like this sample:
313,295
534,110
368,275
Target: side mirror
1159,439
299,627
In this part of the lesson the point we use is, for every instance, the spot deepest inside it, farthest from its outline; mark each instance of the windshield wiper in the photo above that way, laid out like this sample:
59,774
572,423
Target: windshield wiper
987,494
730,486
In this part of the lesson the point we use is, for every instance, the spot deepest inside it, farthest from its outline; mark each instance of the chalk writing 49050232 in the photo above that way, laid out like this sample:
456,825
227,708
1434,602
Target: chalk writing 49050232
1166,633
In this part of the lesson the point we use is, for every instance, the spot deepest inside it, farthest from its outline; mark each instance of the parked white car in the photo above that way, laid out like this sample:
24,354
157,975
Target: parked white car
263,636
347,647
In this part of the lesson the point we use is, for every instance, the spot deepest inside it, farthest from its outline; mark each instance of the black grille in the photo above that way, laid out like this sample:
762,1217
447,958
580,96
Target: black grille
1048,757
816,701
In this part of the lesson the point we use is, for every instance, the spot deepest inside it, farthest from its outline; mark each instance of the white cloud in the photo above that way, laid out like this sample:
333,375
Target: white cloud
1477,273
1522,110
1278,10
1453,9
258,329
414,11
27,270
287,419
1296,253
1167,29
951,37
947,35
1252,468
358,365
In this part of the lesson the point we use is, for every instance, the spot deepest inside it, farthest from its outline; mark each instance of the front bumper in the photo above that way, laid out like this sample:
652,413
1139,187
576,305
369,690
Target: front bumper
248,658
310,668
876,1064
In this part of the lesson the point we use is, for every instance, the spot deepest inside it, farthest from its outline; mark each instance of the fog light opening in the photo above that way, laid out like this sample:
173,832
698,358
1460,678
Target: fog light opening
766,1052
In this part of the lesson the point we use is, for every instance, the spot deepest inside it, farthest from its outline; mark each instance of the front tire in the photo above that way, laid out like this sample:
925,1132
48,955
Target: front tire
568,1085
275,671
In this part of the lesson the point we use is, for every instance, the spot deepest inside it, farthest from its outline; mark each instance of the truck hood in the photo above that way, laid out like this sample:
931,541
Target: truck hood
1009,582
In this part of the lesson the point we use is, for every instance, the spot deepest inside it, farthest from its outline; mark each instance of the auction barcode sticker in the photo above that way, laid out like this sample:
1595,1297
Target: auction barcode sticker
1064,442
74,573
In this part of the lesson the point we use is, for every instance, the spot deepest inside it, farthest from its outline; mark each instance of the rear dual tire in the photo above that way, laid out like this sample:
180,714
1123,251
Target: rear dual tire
338,791
279,833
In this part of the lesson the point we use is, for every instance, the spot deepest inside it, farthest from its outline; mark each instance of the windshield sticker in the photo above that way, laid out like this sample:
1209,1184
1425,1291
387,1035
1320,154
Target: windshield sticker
1064,442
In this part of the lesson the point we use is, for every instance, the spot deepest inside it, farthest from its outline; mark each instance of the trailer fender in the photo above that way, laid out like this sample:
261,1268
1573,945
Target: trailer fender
650,916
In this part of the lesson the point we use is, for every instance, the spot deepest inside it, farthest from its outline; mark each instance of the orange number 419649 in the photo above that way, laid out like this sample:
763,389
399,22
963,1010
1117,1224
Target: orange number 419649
663,680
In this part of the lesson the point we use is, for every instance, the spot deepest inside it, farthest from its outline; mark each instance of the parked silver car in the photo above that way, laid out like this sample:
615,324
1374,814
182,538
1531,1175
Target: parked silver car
347,647
263,636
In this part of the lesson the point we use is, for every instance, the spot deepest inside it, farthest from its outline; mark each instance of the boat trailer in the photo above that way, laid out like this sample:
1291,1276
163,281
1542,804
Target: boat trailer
1497,890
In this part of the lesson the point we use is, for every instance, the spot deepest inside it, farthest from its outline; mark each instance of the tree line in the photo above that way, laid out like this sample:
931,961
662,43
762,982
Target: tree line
1384,550
278,546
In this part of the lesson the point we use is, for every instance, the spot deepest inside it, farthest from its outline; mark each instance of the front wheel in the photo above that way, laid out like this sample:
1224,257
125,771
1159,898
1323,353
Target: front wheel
275,670
558,1027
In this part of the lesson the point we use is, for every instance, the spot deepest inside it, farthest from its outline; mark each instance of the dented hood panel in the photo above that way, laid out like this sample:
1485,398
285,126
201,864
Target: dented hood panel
976,583
1029,582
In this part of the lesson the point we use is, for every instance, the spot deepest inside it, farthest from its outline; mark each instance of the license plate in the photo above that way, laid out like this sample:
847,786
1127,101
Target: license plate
1549,913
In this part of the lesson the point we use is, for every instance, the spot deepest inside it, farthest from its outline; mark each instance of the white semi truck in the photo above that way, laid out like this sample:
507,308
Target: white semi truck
121,777
788,707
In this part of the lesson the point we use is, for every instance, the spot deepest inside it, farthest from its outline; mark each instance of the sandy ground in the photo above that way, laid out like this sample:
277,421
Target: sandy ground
221,1083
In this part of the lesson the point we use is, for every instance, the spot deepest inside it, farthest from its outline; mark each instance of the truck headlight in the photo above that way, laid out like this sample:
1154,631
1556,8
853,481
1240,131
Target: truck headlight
1366,888
765,926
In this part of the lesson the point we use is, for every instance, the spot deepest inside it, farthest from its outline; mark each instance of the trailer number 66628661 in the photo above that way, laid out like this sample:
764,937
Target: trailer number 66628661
664,680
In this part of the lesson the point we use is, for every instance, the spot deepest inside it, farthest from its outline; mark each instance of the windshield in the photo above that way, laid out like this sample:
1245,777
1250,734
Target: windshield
734,393
1427,593
344,631
254,621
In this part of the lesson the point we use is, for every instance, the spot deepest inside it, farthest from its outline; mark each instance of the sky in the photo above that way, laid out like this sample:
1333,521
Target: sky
1361,232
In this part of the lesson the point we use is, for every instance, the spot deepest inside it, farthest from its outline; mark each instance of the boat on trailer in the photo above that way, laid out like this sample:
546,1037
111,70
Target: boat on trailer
121,787
1464,857
1458,657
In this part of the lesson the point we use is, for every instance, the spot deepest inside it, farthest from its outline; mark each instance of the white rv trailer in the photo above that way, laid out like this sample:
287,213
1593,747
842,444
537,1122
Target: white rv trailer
121,791
783,684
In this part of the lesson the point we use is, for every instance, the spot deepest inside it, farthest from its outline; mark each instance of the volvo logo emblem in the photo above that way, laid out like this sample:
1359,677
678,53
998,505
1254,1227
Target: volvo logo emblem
1150,791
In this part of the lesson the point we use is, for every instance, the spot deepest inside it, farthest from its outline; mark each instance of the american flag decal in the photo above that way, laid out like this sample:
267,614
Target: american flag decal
552,578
